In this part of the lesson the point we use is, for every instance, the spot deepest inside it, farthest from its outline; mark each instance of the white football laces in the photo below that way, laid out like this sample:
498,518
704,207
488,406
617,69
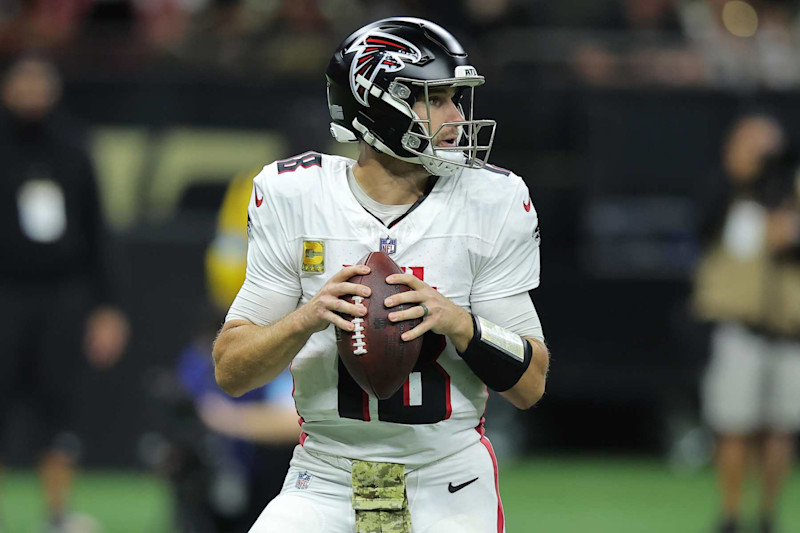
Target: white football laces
360,347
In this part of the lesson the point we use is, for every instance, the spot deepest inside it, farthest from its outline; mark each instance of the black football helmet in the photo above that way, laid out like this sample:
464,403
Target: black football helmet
379,72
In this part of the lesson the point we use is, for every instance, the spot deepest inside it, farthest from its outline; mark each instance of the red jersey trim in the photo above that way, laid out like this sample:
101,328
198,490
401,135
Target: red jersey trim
501,517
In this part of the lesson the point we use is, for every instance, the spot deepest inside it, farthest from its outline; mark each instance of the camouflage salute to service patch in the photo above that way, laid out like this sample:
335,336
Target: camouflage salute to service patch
379,498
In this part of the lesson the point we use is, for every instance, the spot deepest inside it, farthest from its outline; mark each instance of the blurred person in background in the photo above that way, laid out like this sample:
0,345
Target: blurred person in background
226,257
57,290
748,285
232,455
248,441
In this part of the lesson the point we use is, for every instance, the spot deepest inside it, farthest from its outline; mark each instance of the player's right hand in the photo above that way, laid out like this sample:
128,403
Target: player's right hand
326,306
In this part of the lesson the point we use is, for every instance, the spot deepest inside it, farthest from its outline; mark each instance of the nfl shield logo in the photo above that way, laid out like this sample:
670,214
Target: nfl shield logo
303,480
388,245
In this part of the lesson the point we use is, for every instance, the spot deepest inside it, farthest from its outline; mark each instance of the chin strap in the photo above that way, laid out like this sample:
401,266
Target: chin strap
433,165
438,167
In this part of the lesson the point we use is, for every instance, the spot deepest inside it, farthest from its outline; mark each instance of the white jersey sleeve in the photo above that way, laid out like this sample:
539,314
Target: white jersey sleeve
515,313
271,261
512,266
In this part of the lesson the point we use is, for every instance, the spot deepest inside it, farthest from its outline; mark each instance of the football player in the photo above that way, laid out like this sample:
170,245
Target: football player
466,235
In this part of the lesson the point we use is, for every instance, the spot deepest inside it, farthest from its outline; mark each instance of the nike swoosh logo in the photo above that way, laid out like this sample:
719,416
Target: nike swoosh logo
259,201
527,205
455,488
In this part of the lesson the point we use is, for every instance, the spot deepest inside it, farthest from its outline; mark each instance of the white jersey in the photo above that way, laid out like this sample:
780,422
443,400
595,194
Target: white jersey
474,238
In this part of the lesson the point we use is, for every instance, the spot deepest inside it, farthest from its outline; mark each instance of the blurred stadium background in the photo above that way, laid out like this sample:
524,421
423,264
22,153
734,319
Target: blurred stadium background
613,111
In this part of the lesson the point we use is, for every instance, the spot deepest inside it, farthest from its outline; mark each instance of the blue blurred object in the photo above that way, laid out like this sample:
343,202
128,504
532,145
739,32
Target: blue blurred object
232,479
195,373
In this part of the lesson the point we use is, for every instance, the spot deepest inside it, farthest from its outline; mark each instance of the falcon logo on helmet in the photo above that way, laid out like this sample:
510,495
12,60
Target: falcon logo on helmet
378,51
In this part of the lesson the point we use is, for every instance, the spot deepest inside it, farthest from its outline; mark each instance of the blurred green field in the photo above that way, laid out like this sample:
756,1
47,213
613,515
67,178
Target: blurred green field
576,494
615,495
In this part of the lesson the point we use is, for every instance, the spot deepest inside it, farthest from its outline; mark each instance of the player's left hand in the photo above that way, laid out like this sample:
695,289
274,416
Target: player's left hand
443,316
107,332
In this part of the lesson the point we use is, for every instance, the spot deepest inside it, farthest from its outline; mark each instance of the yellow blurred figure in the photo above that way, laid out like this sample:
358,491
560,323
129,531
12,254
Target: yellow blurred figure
226,258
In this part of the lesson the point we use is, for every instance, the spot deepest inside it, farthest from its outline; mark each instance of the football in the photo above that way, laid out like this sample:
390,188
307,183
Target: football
374,354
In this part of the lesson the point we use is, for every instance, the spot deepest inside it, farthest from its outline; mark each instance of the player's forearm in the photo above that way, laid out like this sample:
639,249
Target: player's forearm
247,356
251,421
530,387
269,426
